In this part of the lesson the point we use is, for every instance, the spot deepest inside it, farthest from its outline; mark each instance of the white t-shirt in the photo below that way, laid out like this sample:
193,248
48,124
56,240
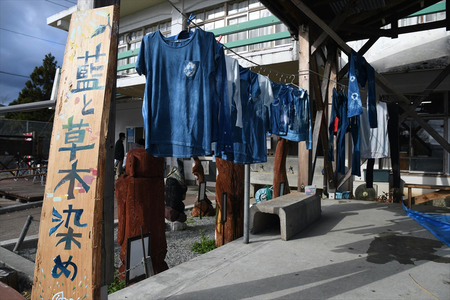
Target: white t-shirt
234,87
375,141
266,90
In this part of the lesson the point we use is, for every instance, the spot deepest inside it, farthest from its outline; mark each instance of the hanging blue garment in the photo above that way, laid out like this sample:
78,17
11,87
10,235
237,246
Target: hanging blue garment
333,115
279,109
438,225
185,88
371,97
299,128
342,129
247,146
225,140
356,157
351,124
360,71
354,97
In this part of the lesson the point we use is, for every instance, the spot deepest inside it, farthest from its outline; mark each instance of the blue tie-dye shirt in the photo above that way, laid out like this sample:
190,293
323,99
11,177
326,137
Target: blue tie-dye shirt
186,82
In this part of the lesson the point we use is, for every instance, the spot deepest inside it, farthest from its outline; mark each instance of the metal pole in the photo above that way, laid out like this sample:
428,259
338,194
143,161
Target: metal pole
23,233
55,84
246,203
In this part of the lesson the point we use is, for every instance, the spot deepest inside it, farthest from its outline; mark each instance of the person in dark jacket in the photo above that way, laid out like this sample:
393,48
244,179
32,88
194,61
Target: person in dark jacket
119,154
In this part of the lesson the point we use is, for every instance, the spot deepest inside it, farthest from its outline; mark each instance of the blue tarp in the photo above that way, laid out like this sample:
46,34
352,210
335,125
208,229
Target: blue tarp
437,224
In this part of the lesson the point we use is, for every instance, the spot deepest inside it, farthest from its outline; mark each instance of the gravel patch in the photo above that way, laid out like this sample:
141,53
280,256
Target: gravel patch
179,243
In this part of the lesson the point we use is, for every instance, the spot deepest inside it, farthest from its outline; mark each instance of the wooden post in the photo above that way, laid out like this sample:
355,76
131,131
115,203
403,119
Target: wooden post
279,168
304,82
230,180
68,260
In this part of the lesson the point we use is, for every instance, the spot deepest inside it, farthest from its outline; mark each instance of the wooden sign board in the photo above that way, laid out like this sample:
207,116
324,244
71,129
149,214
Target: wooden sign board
68,258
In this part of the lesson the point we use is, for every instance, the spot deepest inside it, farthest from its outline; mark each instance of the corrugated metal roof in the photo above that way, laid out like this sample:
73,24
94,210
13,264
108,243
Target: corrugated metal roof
361,6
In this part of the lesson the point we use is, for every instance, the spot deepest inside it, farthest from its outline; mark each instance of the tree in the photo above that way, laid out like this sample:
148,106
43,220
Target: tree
39,88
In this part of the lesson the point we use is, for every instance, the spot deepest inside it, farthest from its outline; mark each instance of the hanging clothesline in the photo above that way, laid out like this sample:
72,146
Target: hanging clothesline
269,70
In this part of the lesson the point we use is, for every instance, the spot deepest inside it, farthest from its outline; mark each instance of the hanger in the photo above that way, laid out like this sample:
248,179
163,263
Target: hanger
292,82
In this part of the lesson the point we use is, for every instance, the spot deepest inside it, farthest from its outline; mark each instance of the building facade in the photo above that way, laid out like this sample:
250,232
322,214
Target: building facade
261,42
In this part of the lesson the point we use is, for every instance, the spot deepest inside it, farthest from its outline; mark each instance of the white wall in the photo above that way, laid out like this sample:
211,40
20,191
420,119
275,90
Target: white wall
128,114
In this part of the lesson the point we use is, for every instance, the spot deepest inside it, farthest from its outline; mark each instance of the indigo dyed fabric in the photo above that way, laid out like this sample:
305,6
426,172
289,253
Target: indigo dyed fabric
299,128
437,224
360,71
186,86
279,109
354,97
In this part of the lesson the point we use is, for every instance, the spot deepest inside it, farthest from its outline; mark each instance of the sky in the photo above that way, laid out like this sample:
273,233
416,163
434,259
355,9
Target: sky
25,39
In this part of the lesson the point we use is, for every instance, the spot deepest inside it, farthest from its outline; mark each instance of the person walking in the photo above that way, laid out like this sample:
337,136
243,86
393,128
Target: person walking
119,154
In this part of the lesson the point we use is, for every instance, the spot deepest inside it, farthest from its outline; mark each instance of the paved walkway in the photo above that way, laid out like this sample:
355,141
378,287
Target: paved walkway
357,250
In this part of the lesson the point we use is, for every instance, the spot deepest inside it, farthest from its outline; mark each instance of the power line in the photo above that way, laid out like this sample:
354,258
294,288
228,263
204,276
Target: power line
57,3
32,36
235,53
15,74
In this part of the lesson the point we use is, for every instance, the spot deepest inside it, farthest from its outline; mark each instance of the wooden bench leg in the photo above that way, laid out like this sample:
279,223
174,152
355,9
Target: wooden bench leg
409,197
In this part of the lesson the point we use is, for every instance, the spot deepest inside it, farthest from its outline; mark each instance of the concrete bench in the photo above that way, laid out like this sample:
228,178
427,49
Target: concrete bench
295,212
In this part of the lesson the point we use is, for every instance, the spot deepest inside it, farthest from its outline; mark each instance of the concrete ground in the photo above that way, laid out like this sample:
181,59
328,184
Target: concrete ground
13,216
357,250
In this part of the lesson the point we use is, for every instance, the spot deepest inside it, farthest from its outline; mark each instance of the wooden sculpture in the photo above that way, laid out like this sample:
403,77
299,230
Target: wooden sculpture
279,167
203,208
140,202
231,181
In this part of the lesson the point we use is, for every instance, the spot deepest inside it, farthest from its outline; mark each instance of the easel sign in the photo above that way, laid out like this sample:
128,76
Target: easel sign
135,257
68,260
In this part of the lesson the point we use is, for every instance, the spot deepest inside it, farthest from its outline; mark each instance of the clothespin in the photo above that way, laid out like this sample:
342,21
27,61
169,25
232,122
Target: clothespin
219,38
189,21
191,18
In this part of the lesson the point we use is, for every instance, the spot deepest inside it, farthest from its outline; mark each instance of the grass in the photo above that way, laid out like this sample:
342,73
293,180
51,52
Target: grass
190,220
205,245
117,284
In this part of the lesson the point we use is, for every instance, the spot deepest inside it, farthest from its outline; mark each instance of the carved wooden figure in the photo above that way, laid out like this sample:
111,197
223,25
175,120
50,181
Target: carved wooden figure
279,167
140,202
230,180
205,207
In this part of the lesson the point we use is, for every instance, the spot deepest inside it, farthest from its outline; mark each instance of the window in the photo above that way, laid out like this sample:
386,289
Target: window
238,12
419,151
237,36
132,40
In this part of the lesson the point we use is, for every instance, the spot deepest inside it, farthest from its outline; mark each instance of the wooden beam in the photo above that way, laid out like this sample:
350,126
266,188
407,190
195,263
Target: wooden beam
361,51
336,23
404,103
382,82
320,124
348,175
431,87
419,27
310,14
304,81
431,196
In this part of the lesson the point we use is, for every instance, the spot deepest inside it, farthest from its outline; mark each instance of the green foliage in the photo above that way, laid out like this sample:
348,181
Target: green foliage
190,220
39,88
205,245
117,284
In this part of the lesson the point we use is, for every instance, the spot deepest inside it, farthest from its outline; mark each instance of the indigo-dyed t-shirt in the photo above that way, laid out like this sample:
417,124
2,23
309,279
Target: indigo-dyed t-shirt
250,141
186,82
279,109
299,117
